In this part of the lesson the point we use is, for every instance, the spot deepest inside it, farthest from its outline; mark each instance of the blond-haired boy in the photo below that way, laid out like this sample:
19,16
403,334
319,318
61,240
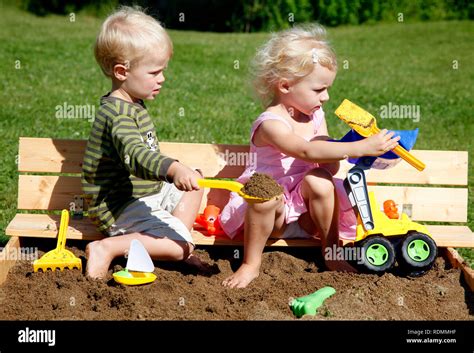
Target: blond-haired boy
136,192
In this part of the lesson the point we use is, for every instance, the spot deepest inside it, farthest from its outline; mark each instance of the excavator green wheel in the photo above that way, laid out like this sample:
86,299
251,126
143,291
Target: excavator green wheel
377,255
417,254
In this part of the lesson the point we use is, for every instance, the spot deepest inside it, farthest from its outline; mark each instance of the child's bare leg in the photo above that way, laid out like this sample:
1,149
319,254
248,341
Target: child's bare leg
188,207
186,211
261,220
101,253
319,193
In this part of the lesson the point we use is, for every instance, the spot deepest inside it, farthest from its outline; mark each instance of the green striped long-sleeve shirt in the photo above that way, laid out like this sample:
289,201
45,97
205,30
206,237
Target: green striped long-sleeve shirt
122,161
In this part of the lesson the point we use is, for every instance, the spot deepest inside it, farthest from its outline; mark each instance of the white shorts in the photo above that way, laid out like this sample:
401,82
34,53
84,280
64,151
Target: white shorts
152,215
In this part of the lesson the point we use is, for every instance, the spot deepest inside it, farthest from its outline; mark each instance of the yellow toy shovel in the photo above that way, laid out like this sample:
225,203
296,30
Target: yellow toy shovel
59,258
234,186
365,125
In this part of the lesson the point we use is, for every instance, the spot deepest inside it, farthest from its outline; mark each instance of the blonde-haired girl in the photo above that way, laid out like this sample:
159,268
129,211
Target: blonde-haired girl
293,73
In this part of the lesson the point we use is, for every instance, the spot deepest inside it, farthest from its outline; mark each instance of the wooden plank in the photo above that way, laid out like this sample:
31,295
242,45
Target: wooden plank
452,236
228,161
65,156
46,226
444,236
49,192
442,168
219,161
426,203
50,155
6,261
457,261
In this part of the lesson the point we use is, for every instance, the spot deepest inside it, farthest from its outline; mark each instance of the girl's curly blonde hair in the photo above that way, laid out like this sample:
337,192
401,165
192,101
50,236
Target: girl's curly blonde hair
290,54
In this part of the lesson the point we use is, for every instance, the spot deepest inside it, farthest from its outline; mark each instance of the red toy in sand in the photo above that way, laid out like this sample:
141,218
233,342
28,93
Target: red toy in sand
210,221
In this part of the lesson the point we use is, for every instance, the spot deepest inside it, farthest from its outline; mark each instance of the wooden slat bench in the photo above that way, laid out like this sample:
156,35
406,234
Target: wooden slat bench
50,170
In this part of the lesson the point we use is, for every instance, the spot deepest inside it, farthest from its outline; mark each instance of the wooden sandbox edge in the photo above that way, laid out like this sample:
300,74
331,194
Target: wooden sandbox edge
457,261
6,261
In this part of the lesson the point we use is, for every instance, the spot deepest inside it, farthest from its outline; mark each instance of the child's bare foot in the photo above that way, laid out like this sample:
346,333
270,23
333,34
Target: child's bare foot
241,279
98,260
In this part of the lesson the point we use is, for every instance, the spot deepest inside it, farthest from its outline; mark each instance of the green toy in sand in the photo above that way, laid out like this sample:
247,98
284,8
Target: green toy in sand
308,305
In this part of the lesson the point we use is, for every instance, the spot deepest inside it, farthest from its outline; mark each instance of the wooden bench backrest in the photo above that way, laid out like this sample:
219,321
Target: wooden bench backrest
50,176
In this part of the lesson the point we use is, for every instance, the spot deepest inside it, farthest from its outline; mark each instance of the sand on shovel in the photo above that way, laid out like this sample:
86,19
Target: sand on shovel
263,186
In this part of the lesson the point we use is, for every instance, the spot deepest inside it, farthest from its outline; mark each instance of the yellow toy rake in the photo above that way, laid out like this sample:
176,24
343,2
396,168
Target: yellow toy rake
59,258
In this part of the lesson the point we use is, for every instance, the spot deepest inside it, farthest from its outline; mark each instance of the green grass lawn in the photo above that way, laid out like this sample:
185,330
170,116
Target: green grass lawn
401,63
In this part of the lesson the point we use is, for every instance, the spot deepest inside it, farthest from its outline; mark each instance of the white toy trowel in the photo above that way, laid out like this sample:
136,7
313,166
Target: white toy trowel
139,268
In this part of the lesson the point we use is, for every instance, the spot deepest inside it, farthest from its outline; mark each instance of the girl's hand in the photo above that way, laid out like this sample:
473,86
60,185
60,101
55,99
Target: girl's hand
379,144
184,178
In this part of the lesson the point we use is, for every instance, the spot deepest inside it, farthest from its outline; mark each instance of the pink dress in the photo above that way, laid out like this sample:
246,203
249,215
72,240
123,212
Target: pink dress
289,173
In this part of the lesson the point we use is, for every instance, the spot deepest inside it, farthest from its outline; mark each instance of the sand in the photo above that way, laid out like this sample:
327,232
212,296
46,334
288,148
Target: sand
181,292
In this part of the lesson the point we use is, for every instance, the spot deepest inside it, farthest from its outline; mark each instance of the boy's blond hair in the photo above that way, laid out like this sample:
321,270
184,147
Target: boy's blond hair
128,35
290,54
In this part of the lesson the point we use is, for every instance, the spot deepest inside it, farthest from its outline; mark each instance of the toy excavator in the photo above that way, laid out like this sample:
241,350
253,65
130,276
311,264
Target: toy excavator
383,236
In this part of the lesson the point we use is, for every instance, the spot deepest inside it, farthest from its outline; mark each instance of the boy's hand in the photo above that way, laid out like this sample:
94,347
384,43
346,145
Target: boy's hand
184,178
379,144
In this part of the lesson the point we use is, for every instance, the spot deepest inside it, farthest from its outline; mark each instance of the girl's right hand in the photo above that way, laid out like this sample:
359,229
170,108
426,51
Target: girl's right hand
379,144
